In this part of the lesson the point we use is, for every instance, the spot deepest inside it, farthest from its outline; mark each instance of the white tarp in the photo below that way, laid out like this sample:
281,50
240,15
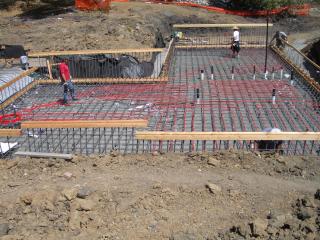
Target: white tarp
5,147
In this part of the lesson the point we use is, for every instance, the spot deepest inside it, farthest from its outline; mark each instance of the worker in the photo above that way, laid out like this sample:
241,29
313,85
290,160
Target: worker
235,46
66,80
24,62
280,38
270,145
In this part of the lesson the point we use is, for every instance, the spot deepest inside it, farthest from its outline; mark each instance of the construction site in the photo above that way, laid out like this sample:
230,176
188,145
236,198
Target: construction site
164,116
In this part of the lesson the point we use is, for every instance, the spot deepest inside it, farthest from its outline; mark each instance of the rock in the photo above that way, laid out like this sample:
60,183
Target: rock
192,154
309,228
114,153
4,229
51,163
317,194
185,236
26,198
213,188
234,193
242,230
14,184
155,153
84,192
305,213
68,175
45,199
74,220
291,224
85,205
282,160
70,193
213,162
11,164
258,227
308,202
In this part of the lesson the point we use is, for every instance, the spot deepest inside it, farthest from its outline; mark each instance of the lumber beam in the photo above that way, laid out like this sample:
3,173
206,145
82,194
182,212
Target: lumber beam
49,69
219,46
228,25
107,80
44,155
87,52
17,78
18,94
136,123
315,85
304,56
10,132
216,136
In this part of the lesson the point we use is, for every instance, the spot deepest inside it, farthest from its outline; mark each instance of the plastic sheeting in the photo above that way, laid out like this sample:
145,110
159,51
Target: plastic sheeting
104,66
93,5
12,51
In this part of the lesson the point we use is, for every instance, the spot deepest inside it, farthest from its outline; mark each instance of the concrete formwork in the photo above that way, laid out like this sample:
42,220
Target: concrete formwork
231,100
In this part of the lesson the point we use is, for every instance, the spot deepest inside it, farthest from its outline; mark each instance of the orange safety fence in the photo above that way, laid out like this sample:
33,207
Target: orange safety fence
93,5
301,10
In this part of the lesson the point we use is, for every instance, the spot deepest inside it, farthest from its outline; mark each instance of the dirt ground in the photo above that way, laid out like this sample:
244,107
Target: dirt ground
127,25
224,195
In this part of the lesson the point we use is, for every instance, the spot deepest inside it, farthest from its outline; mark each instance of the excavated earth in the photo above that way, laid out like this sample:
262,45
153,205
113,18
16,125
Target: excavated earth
224,195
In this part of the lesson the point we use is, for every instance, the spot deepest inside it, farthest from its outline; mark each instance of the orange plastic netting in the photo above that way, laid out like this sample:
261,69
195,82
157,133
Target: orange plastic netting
93,5
301,10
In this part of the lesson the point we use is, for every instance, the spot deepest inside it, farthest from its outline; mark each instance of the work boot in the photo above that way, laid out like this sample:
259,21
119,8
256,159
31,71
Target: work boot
64,102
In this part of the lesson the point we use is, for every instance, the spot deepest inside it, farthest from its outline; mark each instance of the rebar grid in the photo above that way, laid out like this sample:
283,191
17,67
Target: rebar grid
208,90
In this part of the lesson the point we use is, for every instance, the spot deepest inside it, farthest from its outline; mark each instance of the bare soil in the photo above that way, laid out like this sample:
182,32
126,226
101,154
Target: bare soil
223,195
127,25
155,196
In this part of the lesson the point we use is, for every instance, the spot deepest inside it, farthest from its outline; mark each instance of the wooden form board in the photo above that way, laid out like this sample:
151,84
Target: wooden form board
107,80
86,52
307,78
10,132
305,57
216,136
18,94
134,123
228,25
17,78
219,46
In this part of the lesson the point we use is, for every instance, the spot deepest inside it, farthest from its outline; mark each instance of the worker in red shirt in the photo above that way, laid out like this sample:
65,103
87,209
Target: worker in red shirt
66,81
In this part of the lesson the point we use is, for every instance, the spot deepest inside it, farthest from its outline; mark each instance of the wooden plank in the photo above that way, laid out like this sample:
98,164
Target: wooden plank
228,25
108,80
44,155
49,69
219,46
136,123
86,52
18,94
315,85
305,56
17,78
216,136
10,132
